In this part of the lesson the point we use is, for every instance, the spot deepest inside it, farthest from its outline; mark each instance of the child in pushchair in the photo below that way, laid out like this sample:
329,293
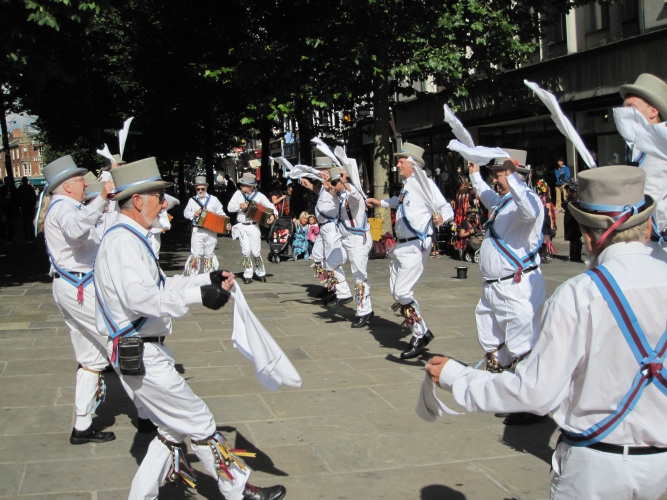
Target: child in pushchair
280,235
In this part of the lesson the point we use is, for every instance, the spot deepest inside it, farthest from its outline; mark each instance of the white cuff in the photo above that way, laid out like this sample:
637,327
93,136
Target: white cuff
192,296
203,279
451,370
476,177
513,180
98,203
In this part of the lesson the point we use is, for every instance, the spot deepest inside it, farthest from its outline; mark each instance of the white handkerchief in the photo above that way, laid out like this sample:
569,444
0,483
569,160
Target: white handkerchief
429,407
640,134
479,155
272,367
457,128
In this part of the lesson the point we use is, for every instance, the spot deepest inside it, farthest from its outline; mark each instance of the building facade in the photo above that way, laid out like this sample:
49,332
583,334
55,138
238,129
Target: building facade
26,157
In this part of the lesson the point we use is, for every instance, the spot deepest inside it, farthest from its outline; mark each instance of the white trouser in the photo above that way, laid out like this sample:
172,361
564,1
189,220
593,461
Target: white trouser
318,249
594,475
509,313
357,251
251,248
334,258
202,249
89,346
406,267
177,412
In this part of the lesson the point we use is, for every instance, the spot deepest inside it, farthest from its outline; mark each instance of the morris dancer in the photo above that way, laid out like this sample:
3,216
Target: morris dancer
509,311
246,230
648,95
71,242
414,228
135,304
602,342
357,241
204,241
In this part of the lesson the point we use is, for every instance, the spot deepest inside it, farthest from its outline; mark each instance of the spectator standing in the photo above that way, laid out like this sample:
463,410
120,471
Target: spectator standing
27,199
313,232
549,225
300,243
562,174
572,230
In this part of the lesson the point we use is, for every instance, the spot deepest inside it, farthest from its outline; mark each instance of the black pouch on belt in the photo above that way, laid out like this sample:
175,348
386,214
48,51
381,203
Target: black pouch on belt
131,356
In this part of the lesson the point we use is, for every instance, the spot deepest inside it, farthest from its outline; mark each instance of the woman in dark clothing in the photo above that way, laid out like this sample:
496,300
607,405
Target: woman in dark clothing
572,231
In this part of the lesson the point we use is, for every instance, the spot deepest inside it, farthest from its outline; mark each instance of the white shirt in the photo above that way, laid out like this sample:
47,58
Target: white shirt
69,230
655,186
357,208
240,197
581,363
416,209
519,225
127,277
211,203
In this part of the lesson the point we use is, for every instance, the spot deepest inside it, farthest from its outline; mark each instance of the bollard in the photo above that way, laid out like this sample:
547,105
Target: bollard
462,272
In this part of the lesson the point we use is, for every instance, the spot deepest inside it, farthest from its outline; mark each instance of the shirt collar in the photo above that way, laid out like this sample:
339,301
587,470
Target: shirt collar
131,222
621,249
66,198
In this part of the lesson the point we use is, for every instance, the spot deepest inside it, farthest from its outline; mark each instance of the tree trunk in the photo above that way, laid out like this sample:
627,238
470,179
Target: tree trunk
382,146
265,170
208,154
303,117
5,146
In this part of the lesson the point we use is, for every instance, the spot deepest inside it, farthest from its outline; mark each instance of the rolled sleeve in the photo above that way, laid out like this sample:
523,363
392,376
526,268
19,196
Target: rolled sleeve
192,296
449,372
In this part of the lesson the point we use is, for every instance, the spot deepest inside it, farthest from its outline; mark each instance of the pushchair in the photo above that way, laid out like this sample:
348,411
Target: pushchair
279,237
471,252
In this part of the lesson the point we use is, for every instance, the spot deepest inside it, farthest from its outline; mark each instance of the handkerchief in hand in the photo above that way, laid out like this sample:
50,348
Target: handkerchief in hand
479,155
429,407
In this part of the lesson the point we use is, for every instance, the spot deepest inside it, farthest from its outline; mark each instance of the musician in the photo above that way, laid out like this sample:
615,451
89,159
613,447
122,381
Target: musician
246,229
414,229
204,241
135,305
357,241
514,291
595,361
72,243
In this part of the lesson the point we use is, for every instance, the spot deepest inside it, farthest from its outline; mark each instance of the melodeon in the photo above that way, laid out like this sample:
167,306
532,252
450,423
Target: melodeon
259,213
212,222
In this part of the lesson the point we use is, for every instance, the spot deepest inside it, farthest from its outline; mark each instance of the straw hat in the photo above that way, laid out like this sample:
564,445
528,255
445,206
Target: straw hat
200,180
608,193
411,150
137,177
323,163
248,179
519,157
651,89
59,171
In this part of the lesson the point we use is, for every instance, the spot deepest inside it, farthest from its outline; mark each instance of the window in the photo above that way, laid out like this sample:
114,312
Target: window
598,16
630,10
26,170
556,32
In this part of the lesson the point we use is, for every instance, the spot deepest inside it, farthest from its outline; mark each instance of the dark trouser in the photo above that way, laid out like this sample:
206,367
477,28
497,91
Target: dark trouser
27,216
575,250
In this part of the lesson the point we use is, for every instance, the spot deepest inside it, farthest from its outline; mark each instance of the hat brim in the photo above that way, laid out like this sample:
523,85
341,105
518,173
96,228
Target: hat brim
142,188
205,184
605,222
253,184
647,95
59,179
418,159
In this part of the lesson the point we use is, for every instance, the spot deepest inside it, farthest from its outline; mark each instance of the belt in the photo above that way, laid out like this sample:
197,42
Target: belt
632,450
153,340
248,223
525,271
78,275
405,240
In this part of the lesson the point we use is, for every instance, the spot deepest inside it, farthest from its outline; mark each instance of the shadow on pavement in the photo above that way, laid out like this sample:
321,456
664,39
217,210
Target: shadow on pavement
440,492
533,439
23,262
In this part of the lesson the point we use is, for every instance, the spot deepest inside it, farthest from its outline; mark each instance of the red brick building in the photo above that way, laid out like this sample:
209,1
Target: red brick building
26,156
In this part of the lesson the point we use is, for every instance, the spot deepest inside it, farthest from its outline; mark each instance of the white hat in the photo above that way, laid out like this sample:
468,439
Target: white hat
323,162
411,150
137,177
248,179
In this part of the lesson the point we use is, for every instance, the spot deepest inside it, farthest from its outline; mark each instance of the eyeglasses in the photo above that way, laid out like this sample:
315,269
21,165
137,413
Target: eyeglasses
76,179
160,196
201,189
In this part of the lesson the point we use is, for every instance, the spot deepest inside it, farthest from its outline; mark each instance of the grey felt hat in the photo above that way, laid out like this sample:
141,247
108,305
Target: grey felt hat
605,192
323,163
518,155
59,171
90,177
650,88
413,150
255,163
334,173
200,180
248,179
93,190
137,177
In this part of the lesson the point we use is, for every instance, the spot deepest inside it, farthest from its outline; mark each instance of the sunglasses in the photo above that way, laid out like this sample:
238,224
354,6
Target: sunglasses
201,189
334,183
160,196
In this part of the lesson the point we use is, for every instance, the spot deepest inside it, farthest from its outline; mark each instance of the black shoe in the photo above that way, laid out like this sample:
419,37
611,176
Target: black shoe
247,281
91,435
523,418
262,279
338,302
417,346
323,293
501,415
328,297
362,320
270,493
146,426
